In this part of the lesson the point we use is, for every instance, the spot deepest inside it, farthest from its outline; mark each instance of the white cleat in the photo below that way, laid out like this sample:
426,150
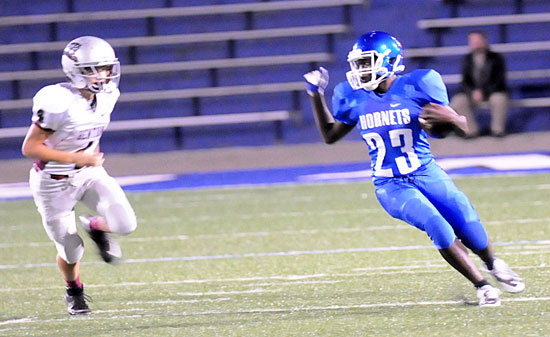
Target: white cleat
489,296
506,277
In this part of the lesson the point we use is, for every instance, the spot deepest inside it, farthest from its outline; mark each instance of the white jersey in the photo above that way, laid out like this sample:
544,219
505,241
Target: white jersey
77,124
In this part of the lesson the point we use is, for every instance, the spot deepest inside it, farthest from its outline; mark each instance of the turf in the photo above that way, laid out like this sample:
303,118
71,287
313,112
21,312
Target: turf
294,260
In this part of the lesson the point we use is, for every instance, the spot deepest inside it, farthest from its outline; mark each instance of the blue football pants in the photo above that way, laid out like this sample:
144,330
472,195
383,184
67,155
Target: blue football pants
429,200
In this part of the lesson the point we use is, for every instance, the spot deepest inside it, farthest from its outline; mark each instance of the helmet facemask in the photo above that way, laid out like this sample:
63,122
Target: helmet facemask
370,68
99,77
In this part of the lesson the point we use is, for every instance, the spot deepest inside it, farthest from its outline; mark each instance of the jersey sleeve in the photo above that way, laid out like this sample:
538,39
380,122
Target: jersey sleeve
432,85
49,106
341,104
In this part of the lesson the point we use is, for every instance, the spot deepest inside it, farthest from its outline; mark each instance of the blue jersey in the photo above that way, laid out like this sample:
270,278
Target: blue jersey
389,122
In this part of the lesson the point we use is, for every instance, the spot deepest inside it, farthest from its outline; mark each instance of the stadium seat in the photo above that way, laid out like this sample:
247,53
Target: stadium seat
9,8
67,31
199,24
30,33
362,19
105,5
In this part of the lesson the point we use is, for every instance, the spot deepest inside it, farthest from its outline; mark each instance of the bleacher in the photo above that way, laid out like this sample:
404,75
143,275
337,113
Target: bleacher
227,64
199,74
514,28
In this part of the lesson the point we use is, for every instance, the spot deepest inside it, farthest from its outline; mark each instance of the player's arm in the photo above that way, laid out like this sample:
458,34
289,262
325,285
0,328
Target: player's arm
330,129
33,147
436,114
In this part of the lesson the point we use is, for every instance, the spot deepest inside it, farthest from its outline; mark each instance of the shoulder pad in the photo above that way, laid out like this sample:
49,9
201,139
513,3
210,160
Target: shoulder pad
53,99
421,74
343,88
431,83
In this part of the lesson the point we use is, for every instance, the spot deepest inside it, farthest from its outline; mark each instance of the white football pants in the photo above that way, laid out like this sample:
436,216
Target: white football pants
56,199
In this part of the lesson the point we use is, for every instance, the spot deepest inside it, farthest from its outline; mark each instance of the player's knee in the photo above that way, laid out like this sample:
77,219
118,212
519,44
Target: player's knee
440,232
70,248
121,219
131,225
62,231
474,236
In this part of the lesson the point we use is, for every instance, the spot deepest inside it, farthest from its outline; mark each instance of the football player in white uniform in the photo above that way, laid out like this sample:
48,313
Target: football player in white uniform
67,122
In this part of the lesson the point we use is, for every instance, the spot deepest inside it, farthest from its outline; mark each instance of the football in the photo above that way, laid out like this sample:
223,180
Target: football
440,130
435,120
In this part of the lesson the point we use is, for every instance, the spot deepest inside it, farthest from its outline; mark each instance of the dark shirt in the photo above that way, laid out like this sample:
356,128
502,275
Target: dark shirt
492,77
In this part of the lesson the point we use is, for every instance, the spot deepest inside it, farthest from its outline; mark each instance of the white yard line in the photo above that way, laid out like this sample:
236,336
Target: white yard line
202,300
228,235
335,212
409,267
236,292
294,283
266,233
277,280
111,317
270,254
518,221
236,256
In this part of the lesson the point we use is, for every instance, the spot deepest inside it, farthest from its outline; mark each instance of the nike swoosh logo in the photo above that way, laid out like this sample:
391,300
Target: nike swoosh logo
393,105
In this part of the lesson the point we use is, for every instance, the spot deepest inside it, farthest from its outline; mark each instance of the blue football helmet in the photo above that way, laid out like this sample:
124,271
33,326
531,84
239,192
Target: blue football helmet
374,57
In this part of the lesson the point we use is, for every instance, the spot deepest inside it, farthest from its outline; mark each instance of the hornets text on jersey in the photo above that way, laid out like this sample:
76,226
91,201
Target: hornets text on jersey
389,124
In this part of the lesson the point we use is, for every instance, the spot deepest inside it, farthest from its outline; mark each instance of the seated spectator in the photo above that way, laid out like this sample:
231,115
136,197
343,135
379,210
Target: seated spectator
483,79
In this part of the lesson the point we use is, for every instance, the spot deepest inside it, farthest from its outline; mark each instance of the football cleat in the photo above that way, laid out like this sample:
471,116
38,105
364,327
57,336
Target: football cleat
506,277
76,301
488,296
108,248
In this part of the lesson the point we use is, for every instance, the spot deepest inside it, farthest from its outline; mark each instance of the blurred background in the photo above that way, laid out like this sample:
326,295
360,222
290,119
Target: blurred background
216,74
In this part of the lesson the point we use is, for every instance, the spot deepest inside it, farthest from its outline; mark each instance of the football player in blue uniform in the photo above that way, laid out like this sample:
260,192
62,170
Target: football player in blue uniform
393,114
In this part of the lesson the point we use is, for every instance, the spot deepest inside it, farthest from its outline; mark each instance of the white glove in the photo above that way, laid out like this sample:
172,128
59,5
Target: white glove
316,81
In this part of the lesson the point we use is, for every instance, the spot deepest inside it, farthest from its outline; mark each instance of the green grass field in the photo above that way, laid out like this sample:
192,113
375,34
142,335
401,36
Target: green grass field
295,260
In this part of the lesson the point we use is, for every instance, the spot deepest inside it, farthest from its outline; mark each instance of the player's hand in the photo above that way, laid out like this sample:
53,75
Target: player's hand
433,113
82,159
316,81
439,120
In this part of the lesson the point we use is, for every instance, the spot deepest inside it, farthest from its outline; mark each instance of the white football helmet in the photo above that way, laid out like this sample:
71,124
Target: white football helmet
90,62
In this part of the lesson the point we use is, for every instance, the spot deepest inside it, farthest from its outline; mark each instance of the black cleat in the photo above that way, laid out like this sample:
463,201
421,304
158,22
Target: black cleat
76,301
109,249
